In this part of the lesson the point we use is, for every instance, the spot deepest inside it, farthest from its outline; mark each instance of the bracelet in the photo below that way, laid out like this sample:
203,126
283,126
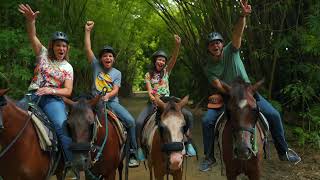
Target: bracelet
54,91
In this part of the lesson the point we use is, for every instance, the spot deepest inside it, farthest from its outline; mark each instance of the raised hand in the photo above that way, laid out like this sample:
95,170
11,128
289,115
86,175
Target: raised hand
177,39
26,10
89,25
246,8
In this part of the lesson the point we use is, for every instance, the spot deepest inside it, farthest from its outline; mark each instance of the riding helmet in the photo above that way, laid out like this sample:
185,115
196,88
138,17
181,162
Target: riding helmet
58,35
107,49
213,36
159,53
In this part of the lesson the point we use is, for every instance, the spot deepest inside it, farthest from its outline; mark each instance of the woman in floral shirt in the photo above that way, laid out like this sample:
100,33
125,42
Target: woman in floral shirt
157,83
53,76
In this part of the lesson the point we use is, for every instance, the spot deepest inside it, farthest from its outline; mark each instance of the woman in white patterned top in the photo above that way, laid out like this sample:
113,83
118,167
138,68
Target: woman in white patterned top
53,76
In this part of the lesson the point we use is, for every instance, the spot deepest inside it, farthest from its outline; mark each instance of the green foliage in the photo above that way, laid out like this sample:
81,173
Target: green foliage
305,137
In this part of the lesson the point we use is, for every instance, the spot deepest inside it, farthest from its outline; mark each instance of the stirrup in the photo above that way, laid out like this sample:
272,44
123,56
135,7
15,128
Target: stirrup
293,153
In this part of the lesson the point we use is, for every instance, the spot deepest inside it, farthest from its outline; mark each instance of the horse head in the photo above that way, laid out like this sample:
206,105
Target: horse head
243,115
171,128
80,125
3,102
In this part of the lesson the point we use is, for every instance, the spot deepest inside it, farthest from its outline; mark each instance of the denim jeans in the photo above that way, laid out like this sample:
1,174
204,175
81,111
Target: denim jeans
276,128
142,118
208,122
272,115
54,108
128,121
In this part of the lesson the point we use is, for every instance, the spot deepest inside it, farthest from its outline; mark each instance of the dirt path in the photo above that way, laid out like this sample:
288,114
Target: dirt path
273,169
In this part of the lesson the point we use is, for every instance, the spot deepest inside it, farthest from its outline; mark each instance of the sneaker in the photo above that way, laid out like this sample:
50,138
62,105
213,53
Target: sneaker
206,164
290,156
133,162
190,150
140,155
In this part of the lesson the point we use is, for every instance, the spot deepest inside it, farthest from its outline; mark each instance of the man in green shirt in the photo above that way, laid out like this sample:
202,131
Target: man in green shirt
225,64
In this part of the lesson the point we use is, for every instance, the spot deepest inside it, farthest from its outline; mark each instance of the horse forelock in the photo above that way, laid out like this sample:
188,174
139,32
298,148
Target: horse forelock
79,114
241,94
171,107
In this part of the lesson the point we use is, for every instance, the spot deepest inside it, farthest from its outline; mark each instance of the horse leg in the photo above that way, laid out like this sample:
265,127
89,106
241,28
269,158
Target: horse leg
231,177
150,174
177,175
254,175
120,168
111,176
159,177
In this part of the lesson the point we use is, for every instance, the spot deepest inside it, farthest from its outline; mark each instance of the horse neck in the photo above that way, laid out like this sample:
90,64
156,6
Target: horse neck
14,119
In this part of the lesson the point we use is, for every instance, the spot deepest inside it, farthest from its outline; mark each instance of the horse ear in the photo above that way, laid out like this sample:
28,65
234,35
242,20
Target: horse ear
92,102
160,103
68,101
3,91
256,86
184,101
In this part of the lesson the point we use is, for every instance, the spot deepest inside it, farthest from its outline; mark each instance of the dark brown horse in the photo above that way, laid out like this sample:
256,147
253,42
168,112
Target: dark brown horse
81,123
165,140
21,156
242,143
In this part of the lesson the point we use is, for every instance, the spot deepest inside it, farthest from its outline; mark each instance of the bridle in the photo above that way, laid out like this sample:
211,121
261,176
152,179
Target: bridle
6,149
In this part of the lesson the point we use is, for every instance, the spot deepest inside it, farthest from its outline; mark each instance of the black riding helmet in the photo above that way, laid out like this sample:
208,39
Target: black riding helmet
58,35
214,36
159,53
107,49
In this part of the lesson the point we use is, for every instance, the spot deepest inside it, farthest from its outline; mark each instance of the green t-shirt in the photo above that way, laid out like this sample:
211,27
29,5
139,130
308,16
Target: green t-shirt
228,68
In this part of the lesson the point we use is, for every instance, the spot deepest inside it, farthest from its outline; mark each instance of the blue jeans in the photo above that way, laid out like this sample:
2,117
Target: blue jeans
54,108
128,121
272,115
276,128
208,122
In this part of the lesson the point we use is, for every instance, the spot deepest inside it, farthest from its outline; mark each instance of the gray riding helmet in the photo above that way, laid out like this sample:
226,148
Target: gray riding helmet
159,53
58,35
108,49
214,36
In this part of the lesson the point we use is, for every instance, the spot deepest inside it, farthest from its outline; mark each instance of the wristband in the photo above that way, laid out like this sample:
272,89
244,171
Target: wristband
54,91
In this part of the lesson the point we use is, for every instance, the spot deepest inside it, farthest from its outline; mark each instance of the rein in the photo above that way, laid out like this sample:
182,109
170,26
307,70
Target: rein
20,132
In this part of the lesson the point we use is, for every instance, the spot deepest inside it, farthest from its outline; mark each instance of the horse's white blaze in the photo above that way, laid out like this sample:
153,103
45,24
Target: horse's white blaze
174,124
243,103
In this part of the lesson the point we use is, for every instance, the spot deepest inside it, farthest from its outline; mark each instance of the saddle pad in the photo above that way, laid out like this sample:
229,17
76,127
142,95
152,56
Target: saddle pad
42,132
148,131
121,131
264,122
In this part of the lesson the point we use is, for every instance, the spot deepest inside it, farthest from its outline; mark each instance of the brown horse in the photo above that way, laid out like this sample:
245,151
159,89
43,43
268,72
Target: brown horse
81,124
21,156
164,142
242,142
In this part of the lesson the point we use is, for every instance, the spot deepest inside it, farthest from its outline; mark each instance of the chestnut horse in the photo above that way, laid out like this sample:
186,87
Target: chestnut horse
164,141
81,124
21,156
242,142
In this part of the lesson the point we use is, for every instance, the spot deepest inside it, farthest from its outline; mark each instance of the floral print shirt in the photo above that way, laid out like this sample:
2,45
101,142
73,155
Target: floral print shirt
50,73
159,85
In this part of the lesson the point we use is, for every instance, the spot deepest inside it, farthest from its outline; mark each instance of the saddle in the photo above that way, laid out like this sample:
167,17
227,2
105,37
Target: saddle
116,122
44,127
262,125
148,130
